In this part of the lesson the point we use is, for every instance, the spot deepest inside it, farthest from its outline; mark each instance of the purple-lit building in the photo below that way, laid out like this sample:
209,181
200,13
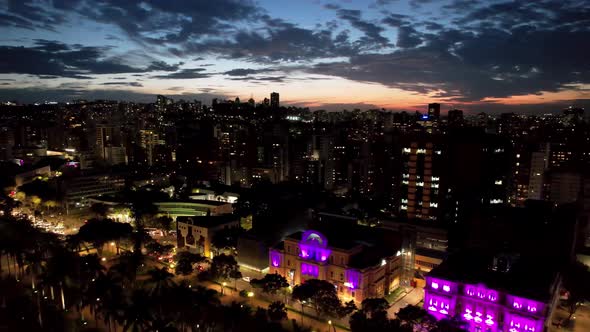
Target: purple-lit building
357,271
492,299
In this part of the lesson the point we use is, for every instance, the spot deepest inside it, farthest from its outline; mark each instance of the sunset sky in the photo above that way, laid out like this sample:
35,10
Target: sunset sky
476,55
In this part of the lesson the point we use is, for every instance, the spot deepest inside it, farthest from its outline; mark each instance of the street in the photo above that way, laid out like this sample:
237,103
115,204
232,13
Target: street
412,297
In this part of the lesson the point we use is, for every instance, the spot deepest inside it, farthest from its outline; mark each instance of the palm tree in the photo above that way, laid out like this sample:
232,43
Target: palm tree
61,269
111,297
159,280
127,266
136,313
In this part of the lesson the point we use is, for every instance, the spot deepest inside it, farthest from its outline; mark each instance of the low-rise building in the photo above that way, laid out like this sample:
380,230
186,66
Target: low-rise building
193,208
358,269
196,233
212,195
493,294
78,190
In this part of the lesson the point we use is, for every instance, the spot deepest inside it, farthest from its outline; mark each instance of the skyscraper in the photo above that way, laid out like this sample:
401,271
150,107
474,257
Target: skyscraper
434,111
421,195
455,117
104,137
274,100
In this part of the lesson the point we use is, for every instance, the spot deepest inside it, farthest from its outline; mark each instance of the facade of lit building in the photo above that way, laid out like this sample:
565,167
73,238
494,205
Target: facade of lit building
493,299
196,233
420,183
355,274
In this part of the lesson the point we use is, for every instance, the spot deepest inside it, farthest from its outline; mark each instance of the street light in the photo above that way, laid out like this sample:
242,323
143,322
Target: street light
223,284
302,303
330,324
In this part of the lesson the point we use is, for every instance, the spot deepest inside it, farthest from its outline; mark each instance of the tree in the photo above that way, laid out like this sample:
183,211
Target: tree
136,313
100,231
576,282
450,325
358,322
320,294
159,280
371,306
416,317
185,261
99,209
277,311
235,275
223,267
156,249
164,222
227,238
347,309
271,283
184,268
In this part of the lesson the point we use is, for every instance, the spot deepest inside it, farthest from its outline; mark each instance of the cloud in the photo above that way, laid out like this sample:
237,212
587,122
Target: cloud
185,74
245,71
490,53
163,66
467,51
32,95
373,37
50,59
275,79
133,84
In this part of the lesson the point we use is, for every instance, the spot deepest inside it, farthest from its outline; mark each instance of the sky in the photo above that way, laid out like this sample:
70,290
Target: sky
476,55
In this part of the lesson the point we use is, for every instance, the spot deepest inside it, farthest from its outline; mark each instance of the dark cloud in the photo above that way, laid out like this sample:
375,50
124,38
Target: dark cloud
31,95
408,37
488,49
175,88
133,84
396,20
173,22
185,74
163,66
373,37
461,5
50,59
276,79
490,53
417,4
245,71
30,14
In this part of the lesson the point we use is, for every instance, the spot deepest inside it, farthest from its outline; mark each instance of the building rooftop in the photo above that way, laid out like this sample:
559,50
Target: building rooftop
209,221
528,277
374,244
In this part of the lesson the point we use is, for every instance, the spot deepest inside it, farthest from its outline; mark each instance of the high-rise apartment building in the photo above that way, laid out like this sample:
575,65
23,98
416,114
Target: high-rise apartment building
274,100
149,139
434,111
104,137
421,192
455,117
539,164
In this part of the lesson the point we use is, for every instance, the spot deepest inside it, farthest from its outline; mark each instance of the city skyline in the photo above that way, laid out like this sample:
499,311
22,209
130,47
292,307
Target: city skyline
492,56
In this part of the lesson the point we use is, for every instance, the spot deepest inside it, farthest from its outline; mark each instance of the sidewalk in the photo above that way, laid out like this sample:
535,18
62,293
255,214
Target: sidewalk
305,319
412,297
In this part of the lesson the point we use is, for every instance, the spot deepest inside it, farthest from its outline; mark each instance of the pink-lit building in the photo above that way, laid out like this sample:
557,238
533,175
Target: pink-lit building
357,271
492,308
